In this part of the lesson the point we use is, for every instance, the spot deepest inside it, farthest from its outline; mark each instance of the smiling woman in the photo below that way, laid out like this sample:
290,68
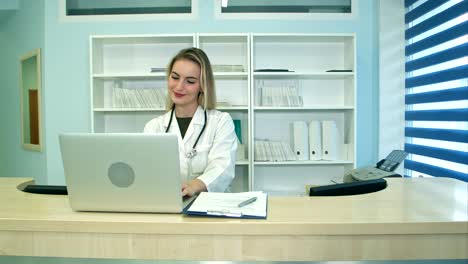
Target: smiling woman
30,96
207,141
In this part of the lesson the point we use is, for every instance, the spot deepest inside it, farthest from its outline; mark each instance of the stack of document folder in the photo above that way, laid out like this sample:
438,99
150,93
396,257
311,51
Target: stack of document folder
269,150
237,205
138,97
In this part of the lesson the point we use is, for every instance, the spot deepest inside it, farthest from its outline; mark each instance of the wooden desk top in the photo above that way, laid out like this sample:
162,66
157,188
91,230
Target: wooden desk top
420,207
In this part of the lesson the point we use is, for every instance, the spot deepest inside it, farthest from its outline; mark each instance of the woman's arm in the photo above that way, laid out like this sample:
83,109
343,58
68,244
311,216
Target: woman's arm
220,168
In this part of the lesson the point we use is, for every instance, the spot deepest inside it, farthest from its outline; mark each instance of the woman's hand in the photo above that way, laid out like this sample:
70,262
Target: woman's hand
193,187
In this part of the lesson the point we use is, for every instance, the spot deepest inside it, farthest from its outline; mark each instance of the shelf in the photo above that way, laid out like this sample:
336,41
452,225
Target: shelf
129,109
232,108
242,162
315,75
231,74
301,37
109,109
157,75
305,162
316,108
142,39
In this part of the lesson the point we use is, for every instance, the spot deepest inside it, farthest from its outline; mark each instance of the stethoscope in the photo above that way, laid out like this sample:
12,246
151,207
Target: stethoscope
193,152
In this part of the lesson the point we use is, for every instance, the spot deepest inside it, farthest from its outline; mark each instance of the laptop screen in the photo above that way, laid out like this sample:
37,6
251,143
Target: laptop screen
122,172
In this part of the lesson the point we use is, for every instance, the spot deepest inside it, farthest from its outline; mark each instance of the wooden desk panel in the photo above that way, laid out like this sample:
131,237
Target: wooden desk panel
411,219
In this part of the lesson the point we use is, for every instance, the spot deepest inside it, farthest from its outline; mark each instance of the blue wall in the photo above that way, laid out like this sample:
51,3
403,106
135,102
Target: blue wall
21,31
66,74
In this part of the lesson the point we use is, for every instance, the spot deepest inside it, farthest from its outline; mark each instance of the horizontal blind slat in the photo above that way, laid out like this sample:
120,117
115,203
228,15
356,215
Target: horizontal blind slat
438,153
453,53
460,114
452,135
434,170
451,74
408,3
423,9
437,20
445,95
436,39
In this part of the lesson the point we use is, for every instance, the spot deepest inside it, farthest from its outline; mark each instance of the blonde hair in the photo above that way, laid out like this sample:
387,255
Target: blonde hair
207,96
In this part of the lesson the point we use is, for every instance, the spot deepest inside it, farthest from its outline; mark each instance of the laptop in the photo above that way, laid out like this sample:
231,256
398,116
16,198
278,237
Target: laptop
122,172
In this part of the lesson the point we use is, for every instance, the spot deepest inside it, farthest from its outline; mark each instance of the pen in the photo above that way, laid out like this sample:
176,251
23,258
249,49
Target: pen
248,201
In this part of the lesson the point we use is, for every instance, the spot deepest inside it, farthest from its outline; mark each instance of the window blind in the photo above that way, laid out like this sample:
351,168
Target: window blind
436,85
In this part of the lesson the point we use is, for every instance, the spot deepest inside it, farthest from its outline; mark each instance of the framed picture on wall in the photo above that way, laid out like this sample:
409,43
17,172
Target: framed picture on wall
30,100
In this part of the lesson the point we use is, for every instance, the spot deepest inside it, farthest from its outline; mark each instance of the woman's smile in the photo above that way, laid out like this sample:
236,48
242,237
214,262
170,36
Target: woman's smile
178,94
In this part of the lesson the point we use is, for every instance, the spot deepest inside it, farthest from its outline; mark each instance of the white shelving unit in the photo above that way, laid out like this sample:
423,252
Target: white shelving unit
122,64
229,56
302,61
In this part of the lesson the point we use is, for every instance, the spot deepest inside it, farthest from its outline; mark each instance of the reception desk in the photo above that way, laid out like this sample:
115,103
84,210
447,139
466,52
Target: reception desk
411,219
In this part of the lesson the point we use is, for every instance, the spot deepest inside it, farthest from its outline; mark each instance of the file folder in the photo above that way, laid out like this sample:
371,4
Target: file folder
300,140
329,140
315,140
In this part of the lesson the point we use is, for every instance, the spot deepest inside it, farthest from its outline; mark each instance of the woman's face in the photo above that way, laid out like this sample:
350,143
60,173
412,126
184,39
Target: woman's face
184,83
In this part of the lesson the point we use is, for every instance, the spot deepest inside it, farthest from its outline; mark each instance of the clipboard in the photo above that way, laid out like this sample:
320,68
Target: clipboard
226,205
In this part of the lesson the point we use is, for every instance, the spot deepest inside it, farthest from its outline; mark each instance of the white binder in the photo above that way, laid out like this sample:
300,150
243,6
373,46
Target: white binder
300,140
329,140
315,140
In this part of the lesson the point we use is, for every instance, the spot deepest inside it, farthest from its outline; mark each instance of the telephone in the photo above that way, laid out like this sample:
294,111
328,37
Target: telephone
384,168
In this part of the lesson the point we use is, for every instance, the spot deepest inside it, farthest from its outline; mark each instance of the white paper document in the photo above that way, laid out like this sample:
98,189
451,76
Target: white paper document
227,205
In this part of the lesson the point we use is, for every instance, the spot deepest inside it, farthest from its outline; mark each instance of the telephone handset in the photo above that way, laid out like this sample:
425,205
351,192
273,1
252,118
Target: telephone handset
384,168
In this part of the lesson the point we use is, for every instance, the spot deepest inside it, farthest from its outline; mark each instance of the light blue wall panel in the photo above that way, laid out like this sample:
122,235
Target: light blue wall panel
20,32
67,63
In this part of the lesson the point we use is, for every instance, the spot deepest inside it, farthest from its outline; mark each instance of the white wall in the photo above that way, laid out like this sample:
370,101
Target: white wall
392,77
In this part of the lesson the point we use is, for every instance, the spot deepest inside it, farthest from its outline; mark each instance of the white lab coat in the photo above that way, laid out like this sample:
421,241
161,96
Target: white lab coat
215,161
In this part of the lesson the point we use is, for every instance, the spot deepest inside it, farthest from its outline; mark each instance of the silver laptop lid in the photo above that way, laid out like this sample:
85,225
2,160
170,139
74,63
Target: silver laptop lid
120,172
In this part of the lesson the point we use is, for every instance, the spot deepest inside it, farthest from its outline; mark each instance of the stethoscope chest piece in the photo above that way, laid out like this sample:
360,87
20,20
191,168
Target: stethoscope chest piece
191,154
